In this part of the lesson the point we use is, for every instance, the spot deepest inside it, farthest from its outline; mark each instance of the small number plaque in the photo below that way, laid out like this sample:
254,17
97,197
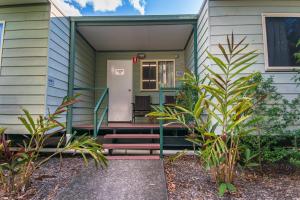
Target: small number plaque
179,73
51,82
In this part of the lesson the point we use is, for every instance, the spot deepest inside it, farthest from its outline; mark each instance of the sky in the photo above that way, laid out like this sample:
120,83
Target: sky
128,7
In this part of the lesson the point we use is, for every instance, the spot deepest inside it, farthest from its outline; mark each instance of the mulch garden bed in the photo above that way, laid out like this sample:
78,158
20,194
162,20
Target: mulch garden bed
188,180
49,179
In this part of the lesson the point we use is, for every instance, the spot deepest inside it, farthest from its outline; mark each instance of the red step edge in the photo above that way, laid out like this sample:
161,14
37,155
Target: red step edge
131,136
131,146
133,157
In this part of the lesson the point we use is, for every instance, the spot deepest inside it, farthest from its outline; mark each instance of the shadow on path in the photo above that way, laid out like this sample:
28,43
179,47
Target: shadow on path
122,180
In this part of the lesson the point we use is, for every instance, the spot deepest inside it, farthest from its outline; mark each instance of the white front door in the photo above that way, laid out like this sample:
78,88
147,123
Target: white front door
119,82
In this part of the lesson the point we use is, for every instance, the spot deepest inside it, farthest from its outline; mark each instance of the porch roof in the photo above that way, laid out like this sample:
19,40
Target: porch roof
136,33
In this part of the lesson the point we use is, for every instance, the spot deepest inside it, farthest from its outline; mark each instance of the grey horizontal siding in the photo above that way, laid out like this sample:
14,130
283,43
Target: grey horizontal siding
244,18
203,37
84,78
189,54
23,68
58,60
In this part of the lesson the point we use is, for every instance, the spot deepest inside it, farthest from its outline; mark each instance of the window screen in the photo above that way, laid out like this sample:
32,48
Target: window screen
283,33
155,73
149,79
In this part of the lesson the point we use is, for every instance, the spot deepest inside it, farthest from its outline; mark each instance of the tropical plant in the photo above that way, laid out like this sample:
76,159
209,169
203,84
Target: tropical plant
247,159
231,107
187,95
226,100
17,167
11,163
275,141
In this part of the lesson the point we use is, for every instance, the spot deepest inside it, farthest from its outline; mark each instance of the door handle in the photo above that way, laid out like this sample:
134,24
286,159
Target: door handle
129,90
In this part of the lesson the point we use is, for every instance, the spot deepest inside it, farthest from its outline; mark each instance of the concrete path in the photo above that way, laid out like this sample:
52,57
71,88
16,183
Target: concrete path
122,180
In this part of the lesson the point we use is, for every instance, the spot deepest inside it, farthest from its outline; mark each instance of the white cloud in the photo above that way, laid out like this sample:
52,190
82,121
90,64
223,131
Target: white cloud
82,3
67,8
98,5
101,5
139,5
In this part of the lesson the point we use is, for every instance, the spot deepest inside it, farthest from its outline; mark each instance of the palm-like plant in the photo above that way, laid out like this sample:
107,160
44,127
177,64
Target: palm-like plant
17,167
232,101
226,98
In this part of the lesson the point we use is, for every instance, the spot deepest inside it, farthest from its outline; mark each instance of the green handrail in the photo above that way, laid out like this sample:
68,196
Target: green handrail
161,127
97,125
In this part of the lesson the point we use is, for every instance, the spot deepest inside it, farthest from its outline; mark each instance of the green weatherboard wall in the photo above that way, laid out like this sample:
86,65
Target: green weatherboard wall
23,70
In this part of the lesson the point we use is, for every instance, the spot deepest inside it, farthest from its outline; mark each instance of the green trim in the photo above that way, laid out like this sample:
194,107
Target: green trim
135,20
97,125
71,75
195,28
134,23
137,51
161,122
145,18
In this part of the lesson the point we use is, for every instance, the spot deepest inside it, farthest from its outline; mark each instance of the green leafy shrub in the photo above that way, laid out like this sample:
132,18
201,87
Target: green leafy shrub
17,167
275,141
247,159
187,96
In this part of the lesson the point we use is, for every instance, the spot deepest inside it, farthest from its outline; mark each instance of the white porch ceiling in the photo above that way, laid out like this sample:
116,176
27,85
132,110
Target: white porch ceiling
137,38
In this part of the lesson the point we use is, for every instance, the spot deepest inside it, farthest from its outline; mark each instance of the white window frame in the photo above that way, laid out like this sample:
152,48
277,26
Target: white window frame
265,41
2,40
157,73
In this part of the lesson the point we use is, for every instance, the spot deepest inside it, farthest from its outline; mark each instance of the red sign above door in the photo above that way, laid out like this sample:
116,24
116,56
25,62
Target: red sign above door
135,60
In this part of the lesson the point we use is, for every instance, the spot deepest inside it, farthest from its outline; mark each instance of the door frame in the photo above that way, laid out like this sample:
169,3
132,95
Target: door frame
131,85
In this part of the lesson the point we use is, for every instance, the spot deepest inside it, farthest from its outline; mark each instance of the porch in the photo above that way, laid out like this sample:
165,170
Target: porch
115,59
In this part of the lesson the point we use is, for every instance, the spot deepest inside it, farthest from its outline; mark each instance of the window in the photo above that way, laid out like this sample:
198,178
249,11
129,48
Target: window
281,35
156,72
149,75
1,38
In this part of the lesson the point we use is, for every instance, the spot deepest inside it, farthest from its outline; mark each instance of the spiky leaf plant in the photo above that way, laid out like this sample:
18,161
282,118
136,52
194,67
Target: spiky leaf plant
17,167
222,112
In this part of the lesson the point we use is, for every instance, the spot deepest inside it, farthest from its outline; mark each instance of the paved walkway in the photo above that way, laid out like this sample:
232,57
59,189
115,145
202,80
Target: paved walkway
122,180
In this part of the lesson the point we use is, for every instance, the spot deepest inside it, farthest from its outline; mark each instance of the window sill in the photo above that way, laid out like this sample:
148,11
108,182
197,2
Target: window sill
282,69
154,90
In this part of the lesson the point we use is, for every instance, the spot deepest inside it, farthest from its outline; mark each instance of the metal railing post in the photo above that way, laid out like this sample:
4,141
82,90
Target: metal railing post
161,129
95,124
71,70
107,107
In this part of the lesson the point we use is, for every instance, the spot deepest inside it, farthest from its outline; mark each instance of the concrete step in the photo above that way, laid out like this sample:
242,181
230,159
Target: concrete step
131,146
133,157
131,136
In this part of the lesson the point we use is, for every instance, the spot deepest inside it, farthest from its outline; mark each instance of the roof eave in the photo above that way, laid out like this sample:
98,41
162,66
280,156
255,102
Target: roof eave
146,19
